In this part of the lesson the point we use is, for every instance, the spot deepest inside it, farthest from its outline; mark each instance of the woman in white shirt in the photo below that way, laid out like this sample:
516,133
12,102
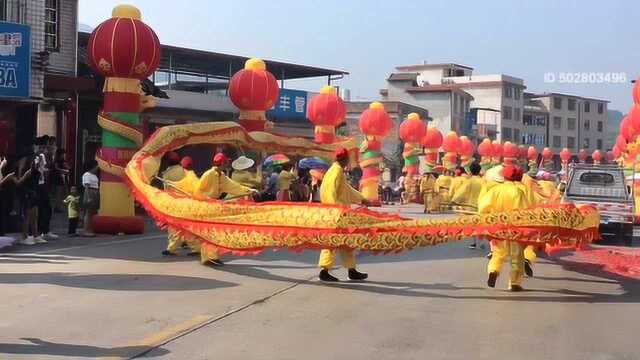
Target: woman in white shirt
91,199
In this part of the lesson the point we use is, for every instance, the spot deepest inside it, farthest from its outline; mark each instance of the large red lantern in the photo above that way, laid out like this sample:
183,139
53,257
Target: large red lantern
326,111
627,130
565,155
124,46
634,117
375,121
254,90
431,141
583,155
413,129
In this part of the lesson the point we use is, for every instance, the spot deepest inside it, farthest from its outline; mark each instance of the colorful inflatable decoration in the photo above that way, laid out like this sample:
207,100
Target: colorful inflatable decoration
510,153
522,156
432,141
326,111
565,156
496,152
485,150
532,156
254,90
583,155
466,151
125,51
451,146
412,130
547,159
243,227
375,124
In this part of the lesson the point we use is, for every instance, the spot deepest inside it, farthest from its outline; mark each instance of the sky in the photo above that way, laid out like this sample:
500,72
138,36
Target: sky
529,40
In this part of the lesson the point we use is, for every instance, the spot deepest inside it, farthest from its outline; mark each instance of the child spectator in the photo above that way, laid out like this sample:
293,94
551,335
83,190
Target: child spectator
73,202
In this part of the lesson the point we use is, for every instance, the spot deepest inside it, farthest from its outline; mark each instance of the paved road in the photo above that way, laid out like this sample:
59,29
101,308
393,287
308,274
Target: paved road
118,298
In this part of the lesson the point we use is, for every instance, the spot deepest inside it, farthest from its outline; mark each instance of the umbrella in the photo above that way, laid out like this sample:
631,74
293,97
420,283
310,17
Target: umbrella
275,160
313,163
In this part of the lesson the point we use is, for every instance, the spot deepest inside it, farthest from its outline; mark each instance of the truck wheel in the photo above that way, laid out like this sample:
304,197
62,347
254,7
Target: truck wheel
627,234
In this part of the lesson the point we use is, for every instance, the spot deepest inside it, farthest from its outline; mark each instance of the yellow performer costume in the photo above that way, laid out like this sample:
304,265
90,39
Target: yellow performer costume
247,178
505,197
213,184
335,189
427,183
441,188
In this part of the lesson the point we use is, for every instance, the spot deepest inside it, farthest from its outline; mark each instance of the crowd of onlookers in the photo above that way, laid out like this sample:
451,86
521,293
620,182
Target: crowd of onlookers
37,184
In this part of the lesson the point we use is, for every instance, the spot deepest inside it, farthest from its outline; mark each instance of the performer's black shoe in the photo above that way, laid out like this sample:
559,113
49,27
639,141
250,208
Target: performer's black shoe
216,262
528,269
489,255
472,246
491,281
168,253
356,275
325,276
516,288
184,245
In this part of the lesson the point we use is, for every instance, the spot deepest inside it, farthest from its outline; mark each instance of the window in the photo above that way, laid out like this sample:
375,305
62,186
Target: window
571,123
506,134
587,106
587,125
557,122
527,119
541,120
507,91
516,93
51,22
571,104
557,141
3,10
587,143
557,103
506,112
600,108
596,178
571,142
516,135
599,142
516,114
455,103
600,126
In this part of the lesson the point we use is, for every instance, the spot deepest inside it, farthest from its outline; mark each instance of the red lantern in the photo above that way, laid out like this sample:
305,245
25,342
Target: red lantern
616,151
583,155
636,92
496,150
610,156
433,138
634,117
413,129
565,155
509,150
485,149
466,147
254,90
451,143
532,153
621,143
326,111
627,130
375,121
547,154
124,46
597,156
522,152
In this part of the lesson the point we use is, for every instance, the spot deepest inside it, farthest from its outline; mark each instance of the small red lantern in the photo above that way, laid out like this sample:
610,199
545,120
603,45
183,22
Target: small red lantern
496,149
547,153
532,153
565,155
485,149
451,143
326,111
433,138
254,90
466,147
124,46
509,150
375,121
597,157
413,129
583,155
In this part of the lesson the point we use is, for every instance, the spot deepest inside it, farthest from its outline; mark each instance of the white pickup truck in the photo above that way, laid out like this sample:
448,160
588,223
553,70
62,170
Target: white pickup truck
604,187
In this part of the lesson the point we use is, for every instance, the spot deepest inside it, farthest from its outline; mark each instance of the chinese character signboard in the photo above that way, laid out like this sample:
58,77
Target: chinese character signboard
15,60
292,104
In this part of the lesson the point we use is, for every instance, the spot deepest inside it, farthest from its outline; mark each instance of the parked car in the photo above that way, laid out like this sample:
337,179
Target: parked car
605,188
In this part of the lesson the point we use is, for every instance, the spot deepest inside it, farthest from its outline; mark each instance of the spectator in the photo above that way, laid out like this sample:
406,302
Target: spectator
59,179
91,198
5,200
285,179
271,188
43,190
73,202
29,176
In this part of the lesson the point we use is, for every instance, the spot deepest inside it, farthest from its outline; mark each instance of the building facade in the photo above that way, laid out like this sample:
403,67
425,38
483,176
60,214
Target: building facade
574,122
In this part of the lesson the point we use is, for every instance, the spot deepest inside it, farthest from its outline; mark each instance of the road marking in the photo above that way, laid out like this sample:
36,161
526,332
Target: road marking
106,243
185,328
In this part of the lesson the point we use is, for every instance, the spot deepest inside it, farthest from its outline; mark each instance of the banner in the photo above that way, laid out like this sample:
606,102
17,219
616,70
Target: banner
15,60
